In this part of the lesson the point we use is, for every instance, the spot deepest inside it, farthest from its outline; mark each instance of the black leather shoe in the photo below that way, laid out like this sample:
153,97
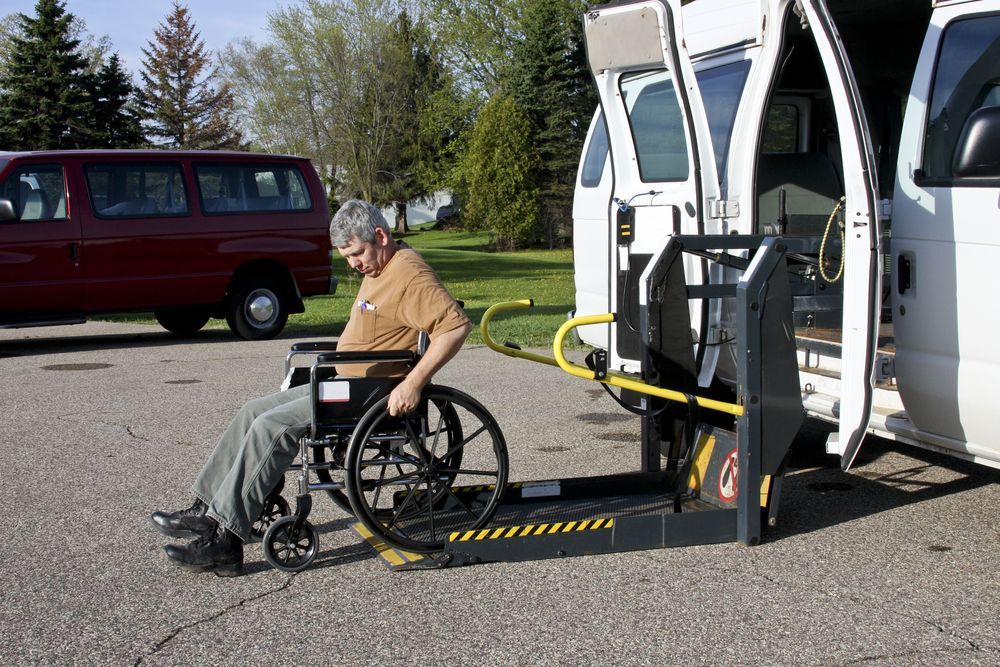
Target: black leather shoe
191,522
221,552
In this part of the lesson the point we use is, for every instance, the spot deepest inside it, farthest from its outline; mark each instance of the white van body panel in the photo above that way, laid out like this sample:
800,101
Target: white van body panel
946,361
628,73
932,385
591,236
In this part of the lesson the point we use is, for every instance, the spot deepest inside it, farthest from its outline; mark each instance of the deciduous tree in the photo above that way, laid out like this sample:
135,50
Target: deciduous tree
357,86
477,38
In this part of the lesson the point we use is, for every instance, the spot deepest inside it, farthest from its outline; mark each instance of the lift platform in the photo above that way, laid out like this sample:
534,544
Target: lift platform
698,497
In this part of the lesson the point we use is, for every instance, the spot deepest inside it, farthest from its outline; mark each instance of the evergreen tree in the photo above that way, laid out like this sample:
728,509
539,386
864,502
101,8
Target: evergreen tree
116,117
184,109
414,150
44,97
551,84
500,167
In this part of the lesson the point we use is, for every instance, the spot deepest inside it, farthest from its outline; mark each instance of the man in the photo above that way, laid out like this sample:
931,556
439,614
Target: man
399,297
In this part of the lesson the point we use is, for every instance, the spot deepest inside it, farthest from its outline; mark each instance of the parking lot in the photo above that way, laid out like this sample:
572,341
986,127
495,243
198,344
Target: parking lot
893,563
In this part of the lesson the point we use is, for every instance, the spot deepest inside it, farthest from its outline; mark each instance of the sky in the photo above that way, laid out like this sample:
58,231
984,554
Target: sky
130,23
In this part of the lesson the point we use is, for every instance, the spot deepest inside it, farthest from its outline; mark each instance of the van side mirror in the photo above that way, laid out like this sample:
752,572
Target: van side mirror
7,210
977,154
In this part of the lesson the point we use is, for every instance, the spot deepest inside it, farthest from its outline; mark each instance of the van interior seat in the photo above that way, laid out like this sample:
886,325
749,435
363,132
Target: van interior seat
812,189
138,206
35,206
224,204
271,203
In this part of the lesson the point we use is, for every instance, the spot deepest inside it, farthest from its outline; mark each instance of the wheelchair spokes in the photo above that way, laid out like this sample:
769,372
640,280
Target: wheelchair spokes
427,494
290,548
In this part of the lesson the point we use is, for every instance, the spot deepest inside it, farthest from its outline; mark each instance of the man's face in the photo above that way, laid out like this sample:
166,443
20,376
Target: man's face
364,257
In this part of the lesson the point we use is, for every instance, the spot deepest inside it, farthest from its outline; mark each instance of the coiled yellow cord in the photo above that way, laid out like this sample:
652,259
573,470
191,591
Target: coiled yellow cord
822,245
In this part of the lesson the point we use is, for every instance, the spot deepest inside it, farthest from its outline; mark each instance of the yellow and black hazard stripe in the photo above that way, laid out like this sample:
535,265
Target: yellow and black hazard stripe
392,557
530,530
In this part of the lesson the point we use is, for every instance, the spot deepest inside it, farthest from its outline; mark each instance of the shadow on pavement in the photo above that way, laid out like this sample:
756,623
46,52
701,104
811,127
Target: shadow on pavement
818,495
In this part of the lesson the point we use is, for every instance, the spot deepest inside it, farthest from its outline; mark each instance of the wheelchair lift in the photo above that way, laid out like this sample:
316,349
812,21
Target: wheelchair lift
721,481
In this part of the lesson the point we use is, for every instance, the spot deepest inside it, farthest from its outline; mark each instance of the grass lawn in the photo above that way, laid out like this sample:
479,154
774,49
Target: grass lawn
474,275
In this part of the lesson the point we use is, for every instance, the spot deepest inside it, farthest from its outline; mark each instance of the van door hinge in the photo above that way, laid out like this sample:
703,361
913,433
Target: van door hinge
723,208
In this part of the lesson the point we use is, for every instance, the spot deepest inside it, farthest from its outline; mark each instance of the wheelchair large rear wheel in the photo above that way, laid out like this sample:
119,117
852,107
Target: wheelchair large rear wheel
412,480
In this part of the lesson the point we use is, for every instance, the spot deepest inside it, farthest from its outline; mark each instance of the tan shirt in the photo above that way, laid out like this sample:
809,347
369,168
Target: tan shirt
391,309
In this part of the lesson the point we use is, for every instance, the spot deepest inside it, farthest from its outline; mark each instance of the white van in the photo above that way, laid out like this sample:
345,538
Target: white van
758,117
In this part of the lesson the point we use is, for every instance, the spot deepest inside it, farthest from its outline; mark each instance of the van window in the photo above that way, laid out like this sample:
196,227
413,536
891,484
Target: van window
136,190
238,188
966,78
658,127
597,155
38,192
721,88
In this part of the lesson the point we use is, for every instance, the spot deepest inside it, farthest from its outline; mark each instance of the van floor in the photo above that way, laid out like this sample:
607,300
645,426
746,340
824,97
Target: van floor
809,337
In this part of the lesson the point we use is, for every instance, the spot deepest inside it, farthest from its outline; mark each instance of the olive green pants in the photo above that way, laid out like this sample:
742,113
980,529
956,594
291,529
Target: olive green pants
251,457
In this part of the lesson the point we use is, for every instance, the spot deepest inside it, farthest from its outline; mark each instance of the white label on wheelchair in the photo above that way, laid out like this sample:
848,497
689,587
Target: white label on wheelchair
334,391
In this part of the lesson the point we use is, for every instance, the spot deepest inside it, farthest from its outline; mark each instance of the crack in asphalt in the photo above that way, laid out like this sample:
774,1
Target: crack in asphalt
907,654
128,429
208,619
70,417
942,629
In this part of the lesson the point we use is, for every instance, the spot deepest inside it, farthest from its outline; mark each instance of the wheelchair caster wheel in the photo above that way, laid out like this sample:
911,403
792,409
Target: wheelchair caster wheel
288,549
275,507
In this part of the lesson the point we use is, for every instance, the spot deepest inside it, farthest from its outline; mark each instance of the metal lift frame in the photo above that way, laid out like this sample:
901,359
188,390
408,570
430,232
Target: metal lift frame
768,413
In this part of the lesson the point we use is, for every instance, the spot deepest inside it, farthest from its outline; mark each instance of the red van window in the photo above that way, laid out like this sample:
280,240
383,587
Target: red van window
38,192
241,188
136,190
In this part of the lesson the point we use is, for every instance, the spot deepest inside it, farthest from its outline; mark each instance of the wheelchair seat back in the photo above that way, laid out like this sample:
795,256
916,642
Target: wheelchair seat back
341,401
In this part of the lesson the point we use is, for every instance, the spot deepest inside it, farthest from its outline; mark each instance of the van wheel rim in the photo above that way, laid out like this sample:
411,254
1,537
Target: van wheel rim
260,308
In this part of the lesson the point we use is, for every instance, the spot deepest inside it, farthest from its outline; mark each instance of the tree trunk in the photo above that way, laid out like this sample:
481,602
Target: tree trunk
401,225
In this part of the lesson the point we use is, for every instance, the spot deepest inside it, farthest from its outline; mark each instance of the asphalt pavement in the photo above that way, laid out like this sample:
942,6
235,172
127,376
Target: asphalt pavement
893,563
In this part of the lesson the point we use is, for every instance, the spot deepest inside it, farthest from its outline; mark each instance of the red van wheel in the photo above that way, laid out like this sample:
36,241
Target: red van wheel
183,322
256,311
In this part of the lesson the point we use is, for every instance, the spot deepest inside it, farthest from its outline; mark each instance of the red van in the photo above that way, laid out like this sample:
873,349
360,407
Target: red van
187,235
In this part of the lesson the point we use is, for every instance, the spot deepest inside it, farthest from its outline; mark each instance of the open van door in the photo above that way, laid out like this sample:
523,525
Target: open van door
664,171
862,234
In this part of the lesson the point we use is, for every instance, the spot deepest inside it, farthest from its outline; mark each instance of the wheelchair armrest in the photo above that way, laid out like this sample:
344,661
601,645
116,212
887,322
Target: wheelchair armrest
357,357
306,348
320,346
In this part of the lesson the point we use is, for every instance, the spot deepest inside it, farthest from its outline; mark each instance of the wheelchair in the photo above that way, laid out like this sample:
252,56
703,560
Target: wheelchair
409,480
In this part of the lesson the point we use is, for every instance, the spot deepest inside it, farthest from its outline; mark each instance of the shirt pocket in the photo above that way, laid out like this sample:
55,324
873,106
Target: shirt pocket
368,322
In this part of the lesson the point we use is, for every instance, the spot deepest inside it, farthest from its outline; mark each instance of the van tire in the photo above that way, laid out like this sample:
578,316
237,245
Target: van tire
257,309
184,321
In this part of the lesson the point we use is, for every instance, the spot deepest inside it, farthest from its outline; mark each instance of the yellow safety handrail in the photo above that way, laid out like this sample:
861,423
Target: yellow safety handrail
484,329
577,370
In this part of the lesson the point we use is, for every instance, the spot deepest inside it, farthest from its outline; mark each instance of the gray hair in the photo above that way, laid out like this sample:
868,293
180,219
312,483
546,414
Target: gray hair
356,218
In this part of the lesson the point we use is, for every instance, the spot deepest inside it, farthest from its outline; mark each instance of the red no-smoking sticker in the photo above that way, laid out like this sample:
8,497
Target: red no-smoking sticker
728,477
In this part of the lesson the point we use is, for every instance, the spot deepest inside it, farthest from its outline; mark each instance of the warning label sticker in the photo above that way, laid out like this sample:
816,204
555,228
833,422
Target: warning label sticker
728,476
